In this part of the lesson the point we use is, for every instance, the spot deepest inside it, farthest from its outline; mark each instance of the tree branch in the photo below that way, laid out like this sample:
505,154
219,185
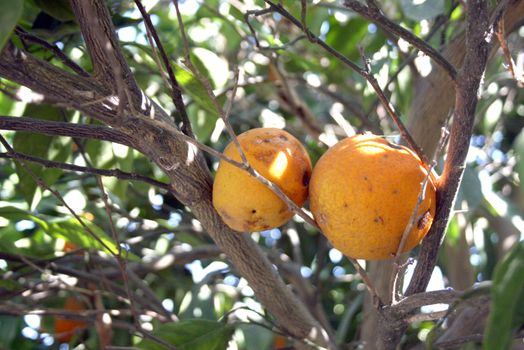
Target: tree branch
88,170
109,65
373,13
53,128
56,86
468,83
414,301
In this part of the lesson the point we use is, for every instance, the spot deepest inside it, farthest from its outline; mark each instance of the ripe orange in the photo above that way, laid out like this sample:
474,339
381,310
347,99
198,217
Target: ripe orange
363,192
69,247
65,329
242,201
279,342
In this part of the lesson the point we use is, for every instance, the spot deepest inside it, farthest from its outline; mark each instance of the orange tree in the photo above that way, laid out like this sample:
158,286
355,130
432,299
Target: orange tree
113,118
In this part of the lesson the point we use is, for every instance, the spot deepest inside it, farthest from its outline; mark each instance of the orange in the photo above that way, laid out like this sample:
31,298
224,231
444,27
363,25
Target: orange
244,203
69,247
363,192
280,342
65,329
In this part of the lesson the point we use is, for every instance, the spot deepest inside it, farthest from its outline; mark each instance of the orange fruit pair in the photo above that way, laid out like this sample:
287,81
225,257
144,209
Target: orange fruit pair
363,190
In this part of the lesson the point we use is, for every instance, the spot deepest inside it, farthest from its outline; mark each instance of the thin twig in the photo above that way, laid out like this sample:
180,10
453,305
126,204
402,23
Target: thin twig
501,36
255,13
119,174
439,22
22,34
395,275
393,287
404,132
373,13
303,18
176,90
377,302
398,255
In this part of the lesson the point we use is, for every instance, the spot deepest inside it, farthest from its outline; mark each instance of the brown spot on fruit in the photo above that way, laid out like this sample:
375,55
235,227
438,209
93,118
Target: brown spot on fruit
423,220
265,156
305,177
370,186
379,220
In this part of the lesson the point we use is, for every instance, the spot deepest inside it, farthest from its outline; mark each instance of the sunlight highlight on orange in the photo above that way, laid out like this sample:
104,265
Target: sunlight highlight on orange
279,165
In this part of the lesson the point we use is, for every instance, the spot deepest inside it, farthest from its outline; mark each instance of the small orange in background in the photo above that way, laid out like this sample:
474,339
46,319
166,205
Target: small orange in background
279,342
363,192
66,328
69,247
244,203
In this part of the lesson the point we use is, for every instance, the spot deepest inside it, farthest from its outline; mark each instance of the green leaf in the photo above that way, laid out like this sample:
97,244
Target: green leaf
348,44
71,230
10,12
453,233
195,89
9,326
257,337
12,213
100,154
419,10
37,145
191,335
5,102
507,300
9,285
8,236
518,146
59,9
202,122
470,190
